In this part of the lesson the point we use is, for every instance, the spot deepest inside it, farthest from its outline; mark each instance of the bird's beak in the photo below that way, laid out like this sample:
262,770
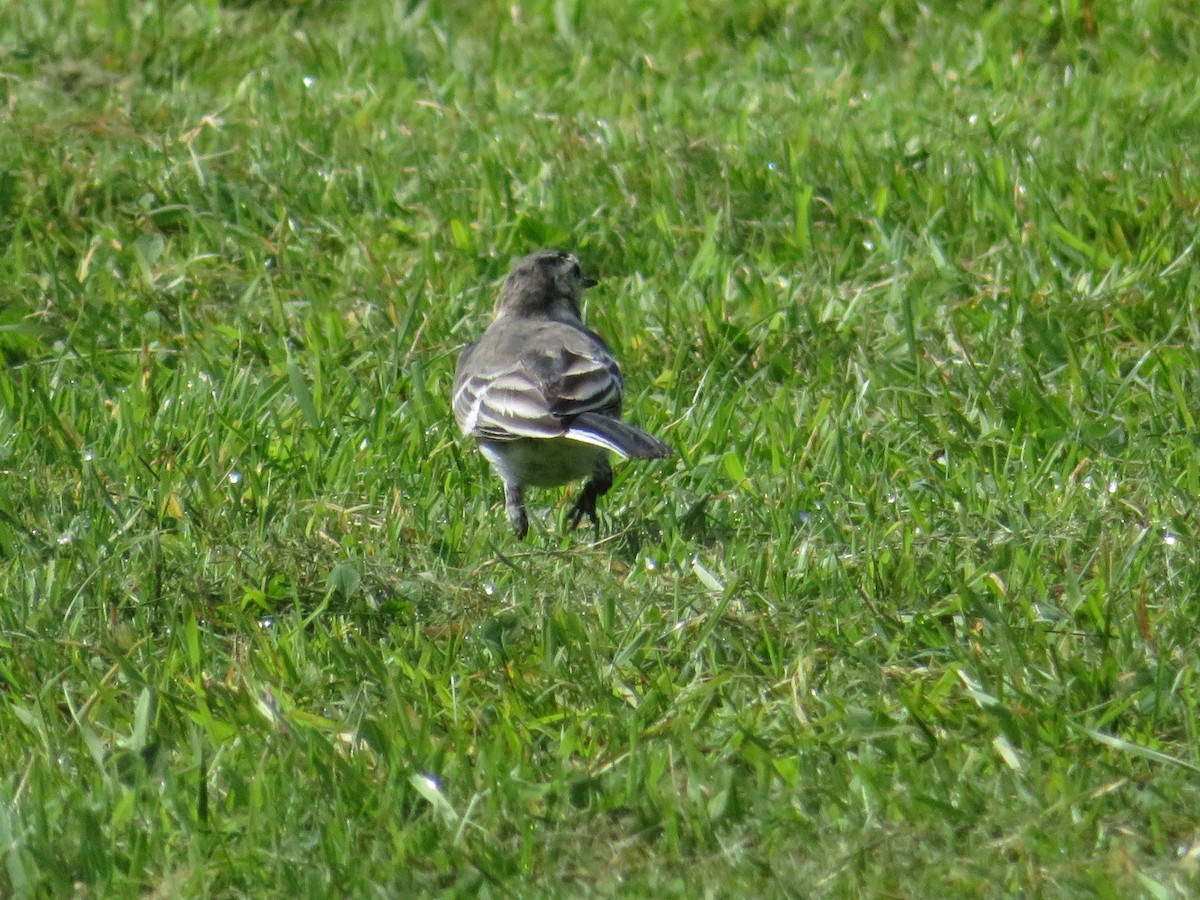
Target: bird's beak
590,282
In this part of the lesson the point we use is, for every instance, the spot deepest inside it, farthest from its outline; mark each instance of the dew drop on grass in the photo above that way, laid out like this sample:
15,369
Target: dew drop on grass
1170,540
88,456
1087,484
1112,487
235,477
489,588
309,81
651,564
266,622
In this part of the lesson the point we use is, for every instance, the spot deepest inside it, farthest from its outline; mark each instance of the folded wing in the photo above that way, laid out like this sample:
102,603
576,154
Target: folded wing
537,393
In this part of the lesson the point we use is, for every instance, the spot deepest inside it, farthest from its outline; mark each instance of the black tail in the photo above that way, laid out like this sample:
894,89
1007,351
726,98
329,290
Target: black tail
613,434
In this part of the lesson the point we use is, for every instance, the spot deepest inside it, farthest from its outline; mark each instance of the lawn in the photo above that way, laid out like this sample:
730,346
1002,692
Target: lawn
912,288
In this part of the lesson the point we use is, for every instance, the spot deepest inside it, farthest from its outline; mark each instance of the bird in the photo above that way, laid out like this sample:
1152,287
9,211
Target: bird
541,392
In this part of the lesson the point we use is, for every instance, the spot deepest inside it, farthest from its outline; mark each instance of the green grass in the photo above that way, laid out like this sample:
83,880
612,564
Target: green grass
911,287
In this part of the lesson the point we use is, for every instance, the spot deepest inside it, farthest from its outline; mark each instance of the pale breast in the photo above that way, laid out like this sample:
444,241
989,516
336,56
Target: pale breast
542,463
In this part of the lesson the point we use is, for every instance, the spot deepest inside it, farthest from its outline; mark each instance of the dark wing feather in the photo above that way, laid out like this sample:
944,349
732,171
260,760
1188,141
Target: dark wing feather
530,382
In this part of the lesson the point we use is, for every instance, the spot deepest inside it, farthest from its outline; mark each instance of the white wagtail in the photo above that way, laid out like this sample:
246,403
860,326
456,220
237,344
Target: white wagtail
542,392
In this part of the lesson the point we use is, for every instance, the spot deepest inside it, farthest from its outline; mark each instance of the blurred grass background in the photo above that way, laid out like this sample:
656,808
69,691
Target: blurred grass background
910,286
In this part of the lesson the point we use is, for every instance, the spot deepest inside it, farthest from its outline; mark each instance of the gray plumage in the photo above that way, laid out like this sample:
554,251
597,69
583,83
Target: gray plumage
542,392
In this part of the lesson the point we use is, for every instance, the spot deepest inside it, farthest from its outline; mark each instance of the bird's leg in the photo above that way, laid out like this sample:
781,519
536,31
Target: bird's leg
596,487
514,505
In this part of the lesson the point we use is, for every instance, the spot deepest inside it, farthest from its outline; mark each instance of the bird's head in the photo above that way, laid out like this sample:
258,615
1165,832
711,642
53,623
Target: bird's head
545,284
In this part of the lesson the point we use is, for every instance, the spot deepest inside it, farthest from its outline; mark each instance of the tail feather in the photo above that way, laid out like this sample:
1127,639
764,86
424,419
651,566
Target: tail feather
613,434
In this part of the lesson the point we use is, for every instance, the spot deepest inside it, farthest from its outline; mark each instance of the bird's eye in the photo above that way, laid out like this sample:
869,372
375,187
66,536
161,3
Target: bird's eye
575,270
